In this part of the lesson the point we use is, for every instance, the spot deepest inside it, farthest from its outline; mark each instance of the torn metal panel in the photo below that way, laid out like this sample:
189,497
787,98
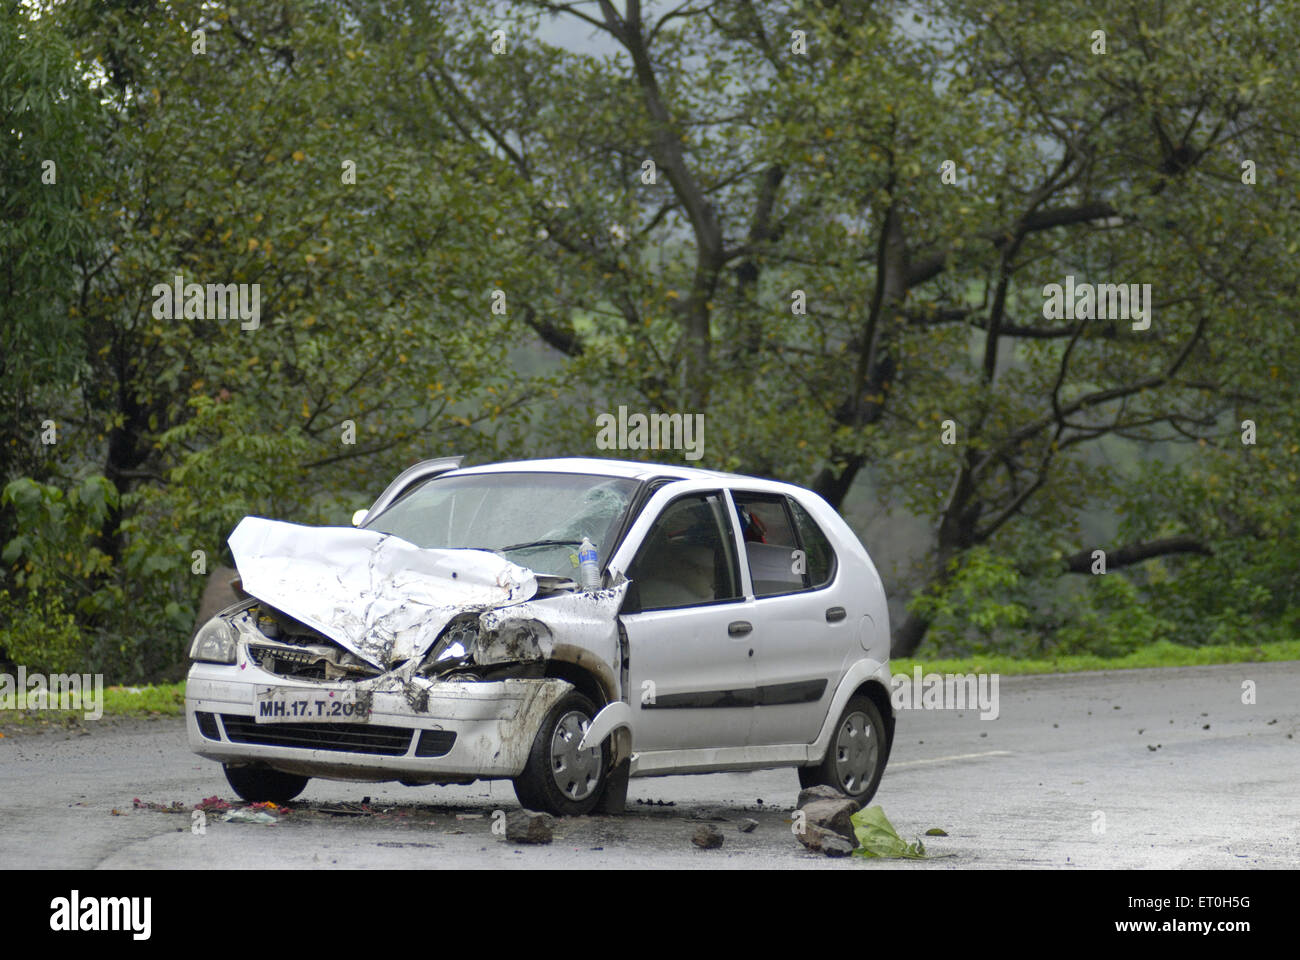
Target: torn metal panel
565,626
379,596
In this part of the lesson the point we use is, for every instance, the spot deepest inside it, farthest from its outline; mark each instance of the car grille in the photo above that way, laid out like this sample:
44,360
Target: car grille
344,737
207,724
434,743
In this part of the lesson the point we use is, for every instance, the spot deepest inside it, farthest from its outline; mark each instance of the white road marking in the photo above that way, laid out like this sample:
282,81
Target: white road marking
955,756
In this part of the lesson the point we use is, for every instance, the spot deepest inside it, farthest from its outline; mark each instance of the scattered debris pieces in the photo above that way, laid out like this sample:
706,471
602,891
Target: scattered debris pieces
212,805
707,837
836,815
528,826
878,838
820,839
747,825
345,809
247,815
174,807
820,792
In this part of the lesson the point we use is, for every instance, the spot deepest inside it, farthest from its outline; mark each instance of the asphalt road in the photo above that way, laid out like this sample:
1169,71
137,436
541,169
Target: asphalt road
1065,777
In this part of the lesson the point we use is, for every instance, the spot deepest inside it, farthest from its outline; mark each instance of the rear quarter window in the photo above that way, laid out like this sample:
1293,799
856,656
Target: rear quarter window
821,556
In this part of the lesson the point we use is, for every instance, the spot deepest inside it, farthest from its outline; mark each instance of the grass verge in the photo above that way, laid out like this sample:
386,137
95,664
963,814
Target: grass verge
1162,654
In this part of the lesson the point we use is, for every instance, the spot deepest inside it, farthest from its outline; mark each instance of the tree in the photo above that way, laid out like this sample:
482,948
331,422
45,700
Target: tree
49,122
818,167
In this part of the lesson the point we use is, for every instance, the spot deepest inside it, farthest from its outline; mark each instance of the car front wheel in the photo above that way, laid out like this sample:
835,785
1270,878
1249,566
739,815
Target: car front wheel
262,784
855,758
559,778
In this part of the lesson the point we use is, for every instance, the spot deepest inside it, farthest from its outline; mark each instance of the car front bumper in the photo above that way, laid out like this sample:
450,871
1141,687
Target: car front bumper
464,731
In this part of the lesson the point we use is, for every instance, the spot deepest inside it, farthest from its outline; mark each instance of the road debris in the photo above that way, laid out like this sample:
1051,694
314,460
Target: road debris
174,807
707,837
528,826
836,815
820,792
747,825
822,840
878,838
345,809
245,815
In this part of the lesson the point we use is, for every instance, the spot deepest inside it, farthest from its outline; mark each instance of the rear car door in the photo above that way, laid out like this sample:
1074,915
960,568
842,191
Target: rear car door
690,662
803,627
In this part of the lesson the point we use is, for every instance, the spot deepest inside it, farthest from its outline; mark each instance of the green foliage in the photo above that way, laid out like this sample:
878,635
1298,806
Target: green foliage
477,172
1113,620
122,606
39,634
982,597
47,116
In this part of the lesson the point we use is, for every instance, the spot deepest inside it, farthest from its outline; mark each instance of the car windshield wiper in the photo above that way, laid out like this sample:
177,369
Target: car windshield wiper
541,543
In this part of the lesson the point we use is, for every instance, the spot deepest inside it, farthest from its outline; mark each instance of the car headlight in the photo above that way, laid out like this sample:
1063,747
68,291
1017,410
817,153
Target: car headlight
215,642
456,641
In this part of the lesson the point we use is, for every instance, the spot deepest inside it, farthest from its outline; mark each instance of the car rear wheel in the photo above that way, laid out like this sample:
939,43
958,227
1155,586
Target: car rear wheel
559,778
262,784
855,758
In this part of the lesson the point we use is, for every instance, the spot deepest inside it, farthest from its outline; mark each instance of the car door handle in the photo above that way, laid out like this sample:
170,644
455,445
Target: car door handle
835,614
738,628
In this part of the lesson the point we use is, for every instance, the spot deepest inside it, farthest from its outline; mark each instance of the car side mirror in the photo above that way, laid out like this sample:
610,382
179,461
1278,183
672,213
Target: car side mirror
358,517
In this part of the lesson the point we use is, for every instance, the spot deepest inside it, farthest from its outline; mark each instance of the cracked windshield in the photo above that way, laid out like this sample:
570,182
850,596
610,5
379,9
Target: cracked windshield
535,520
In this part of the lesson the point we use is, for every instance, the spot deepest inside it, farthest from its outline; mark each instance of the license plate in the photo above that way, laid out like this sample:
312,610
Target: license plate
295,705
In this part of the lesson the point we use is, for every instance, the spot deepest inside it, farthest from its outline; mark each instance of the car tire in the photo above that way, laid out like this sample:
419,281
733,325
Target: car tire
262,784
855,757
558,778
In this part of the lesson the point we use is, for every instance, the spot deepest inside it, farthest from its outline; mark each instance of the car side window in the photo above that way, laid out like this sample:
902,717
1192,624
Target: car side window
820,555
688,557
772,548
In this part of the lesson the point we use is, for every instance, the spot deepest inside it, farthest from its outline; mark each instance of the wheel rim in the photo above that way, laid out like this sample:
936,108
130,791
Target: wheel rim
856,751
576,772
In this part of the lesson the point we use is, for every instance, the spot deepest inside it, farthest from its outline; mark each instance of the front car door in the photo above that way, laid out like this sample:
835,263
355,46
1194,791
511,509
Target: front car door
690,660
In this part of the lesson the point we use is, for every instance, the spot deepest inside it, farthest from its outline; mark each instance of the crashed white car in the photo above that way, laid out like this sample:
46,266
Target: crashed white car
738,624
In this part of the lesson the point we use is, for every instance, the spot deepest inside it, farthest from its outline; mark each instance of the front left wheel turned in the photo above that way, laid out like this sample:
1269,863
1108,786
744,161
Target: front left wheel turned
559,778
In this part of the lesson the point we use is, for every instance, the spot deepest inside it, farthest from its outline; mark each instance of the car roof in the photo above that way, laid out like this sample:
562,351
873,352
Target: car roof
630,469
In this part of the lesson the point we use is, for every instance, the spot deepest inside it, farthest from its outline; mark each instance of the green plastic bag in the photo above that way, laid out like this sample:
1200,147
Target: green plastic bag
878,838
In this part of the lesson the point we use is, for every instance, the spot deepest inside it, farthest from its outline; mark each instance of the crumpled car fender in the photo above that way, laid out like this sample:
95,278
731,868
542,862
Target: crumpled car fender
614,716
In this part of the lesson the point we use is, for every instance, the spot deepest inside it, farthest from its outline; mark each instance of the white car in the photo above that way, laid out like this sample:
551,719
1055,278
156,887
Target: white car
738,624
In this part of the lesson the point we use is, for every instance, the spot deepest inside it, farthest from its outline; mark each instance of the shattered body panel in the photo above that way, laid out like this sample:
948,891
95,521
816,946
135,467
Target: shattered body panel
382,598
586,625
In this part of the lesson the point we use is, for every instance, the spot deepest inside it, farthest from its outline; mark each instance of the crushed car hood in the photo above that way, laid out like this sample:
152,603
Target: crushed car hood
381,597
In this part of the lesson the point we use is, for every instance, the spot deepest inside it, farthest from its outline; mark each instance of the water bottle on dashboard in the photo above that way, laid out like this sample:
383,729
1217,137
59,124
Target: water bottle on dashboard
588,566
